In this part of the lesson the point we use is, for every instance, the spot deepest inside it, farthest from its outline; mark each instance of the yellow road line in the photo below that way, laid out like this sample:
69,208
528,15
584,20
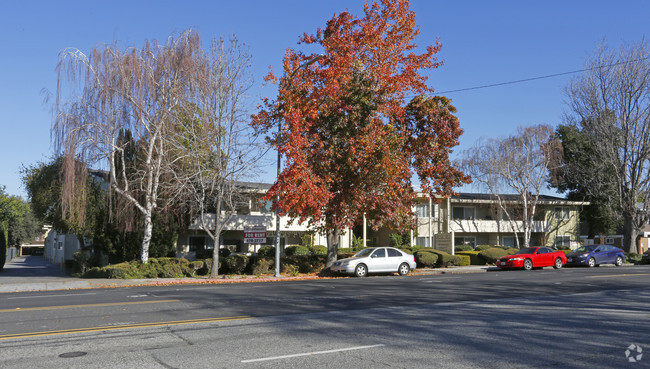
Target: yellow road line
116,327
616,275
83,306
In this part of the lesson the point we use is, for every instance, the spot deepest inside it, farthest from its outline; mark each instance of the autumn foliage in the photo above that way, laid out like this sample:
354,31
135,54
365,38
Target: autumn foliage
351,142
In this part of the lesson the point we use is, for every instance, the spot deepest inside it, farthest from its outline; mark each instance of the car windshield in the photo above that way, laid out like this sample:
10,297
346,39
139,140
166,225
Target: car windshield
363,253
527,250
589,248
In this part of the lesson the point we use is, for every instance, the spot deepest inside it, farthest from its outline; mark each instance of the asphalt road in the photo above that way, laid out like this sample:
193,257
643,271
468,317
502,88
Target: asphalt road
573,317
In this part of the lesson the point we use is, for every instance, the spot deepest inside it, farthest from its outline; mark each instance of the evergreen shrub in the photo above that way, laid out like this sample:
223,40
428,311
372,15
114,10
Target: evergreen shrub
318,250
263,266
491,255
235,264
463,248
296,250
474,259
266,252
426,258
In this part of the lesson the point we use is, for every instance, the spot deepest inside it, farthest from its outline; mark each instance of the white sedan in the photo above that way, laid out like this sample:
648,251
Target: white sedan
376,260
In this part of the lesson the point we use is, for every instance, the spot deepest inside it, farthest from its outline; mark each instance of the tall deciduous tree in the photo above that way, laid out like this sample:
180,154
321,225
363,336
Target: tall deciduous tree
85,217
16,223
610,105
145,92
213,149
350,141
516,164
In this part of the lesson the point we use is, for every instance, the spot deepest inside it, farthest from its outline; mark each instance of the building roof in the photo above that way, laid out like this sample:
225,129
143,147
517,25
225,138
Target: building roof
490,198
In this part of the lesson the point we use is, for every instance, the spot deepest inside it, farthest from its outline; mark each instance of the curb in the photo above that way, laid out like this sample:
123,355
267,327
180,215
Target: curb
78,283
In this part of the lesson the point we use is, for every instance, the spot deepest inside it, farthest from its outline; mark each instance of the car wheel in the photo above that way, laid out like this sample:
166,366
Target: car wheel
558,263
528,264
619,261
591,262
403,269
361,270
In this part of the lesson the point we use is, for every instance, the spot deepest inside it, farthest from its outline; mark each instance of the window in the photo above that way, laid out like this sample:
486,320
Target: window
379,253
562,240
262,206
270,241
510,241
422,241
512,213
197,243
422,210
609,240
561,213
460,212
392,253
471,241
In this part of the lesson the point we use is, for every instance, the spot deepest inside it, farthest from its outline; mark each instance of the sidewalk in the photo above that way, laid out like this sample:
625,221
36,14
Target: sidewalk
34,273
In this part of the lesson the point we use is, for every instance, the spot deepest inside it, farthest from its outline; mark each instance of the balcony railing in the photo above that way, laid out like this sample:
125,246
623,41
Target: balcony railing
238,222
496,226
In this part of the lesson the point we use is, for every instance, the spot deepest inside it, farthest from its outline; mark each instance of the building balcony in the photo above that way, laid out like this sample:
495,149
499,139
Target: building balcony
239,222
495,226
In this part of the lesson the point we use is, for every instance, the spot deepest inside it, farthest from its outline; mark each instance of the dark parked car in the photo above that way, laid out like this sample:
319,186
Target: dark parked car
594,255
645,258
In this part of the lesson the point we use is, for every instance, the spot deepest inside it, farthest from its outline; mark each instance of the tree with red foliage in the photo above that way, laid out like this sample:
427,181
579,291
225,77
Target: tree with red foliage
351,142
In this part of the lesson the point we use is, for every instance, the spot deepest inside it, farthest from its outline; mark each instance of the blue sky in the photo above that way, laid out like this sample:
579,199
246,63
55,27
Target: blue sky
483,43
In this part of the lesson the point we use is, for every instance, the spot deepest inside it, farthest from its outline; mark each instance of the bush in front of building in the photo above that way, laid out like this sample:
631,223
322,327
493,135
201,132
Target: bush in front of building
446,259
304,263
156,268
234,264
474,259
491,255
266,252
167,268
425,258
465,260
318,250
262,266
407,249
632,257
463,248
296,250
345,252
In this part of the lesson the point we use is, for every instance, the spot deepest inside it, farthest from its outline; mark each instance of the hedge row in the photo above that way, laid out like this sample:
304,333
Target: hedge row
233,264
156,268
474,259
432,258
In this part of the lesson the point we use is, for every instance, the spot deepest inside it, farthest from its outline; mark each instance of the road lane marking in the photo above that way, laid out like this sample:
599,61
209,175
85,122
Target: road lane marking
84,306
616,275
311,353
125,326
45,296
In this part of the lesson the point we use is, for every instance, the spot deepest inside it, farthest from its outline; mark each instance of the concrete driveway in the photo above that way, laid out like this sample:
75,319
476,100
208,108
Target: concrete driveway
29,266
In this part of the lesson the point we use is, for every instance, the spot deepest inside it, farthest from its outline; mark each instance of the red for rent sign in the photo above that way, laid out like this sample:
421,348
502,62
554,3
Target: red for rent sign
255,235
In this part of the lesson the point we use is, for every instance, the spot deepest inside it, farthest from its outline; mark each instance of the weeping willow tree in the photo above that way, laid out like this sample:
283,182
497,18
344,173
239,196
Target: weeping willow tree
144,93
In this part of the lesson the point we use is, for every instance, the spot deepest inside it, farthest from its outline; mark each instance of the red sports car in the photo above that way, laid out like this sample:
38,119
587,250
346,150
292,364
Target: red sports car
533,257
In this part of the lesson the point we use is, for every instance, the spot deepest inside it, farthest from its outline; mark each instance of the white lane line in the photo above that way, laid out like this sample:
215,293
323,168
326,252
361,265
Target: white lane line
45,296
311,353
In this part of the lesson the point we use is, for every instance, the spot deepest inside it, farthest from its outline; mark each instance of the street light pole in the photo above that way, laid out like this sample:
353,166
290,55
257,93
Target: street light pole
277,196
277,212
